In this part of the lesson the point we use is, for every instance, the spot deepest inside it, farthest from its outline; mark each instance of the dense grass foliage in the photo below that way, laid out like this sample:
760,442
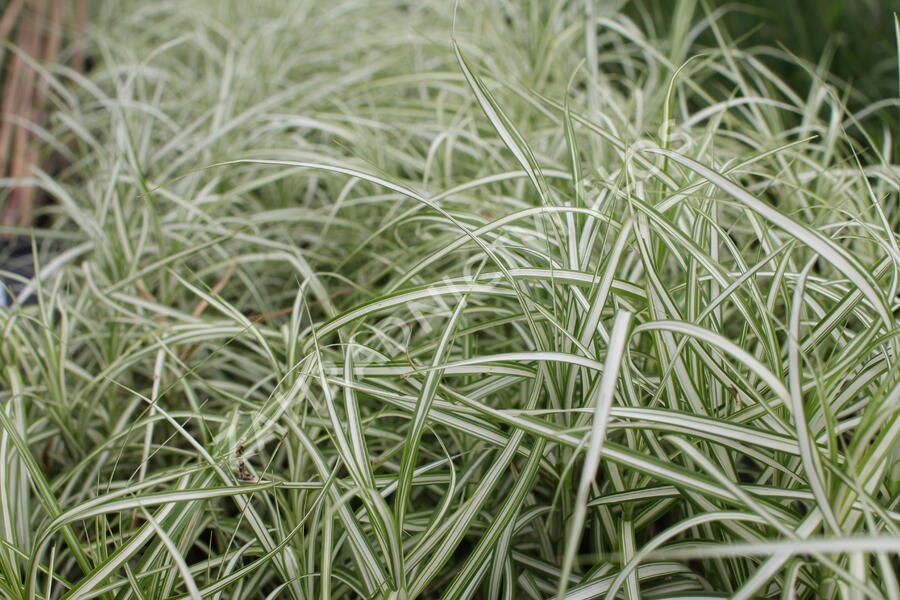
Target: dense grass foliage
338,301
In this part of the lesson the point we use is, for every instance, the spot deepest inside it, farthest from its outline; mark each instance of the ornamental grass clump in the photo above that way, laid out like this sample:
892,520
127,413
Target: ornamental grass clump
357,299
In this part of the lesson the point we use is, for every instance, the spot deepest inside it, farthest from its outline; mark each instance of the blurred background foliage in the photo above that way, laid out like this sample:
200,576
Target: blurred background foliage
853,39
851,43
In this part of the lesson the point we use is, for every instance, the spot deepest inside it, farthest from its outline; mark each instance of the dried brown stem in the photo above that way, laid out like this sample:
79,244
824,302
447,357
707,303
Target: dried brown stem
223,281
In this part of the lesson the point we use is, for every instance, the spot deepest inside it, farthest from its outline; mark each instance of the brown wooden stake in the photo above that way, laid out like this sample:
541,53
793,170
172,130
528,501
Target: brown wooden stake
8,20
39,27
11,87
81,22
17,210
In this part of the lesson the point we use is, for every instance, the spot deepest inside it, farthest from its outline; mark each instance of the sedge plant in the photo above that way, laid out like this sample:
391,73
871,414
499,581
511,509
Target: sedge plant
377,300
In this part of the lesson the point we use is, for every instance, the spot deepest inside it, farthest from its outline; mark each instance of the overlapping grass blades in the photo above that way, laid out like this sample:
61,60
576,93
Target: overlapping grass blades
329,309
